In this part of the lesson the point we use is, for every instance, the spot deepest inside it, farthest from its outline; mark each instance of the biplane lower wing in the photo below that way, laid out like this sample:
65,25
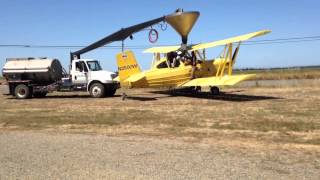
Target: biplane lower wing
219,81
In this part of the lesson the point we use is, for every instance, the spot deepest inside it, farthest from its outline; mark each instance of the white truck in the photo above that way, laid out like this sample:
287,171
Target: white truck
35,77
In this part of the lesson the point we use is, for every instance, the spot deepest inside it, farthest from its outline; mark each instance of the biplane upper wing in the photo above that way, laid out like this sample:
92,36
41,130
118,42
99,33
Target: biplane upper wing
230,40
162,49
166,49
219,81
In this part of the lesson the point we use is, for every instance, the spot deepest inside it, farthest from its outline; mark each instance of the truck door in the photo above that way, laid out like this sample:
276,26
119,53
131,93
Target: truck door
80,73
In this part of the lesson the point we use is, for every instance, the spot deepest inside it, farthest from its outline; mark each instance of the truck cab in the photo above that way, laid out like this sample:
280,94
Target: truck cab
87,74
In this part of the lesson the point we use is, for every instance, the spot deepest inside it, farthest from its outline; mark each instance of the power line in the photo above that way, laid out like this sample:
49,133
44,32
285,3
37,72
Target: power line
280,42
257,42
291,38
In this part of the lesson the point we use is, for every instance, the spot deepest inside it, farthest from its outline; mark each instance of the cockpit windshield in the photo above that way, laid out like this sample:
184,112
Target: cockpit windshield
94,65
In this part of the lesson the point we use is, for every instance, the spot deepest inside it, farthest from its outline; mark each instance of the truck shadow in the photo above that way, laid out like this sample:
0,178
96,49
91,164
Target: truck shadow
130,97
223,96
74,96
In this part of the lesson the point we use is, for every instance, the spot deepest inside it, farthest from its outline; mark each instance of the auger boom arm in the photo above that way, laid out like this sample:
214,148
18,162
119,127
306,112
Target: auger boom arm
181,21
117,36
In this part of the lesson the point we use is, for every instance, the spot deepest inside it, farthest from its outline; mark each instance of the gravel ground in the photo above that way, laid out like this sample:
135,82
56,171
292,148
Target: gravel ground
4,89
49,155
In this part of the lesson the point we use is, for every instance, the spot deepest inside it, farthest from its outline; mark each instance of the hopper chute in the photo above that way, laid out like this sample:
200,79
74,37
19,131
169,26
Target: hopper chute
183,22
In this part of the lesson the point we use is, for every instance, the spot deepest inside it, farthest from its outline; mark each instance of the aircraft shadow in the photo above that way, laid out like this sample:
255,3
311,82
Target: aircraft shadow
141,98
229,96
224,96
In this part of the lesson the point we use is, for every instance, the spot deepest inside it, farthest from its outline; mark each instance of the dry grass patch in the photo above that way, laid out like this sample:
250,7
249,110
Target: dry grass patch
283,74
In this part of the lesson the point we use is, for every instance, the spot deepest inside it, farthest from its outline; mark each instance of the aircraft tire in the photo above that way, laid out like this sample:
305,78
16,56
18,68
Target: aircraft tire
197,89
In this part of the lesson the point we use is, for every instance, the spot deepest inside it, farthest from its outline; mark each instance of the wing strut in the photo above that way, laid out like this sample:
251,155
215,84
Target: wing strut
228,56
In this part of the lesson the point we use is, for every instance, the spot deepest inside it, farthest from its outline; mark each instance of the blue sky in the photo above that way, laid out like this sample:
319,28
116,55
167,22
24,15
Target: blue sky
72,22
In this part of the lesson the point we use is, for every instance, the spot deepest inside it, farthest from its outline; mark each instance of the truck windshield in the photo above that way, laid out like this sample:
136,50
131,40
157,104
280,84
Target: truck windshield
94,65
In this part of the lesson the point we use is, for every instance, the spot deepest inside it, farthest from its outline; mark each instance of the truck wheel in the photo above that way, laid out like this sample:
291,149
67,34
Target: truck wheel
39,94
22,91
97,90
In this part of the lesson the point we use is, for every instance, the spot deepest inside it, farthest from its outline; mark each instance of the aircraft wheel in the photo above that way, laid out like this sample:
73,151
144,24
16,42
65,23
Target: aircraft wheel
97,90
173,92
214,90
197,89
124,96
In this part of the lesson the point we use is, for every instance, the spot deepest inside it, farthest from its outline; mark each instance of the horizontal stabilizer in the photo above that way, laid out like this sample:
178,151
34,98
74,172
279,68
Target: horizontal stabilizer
136,77
219,81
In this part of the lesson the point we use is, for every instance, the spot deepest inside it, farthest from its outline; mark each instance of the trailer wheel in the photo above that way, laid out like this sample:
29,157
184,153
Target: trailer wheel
97,90
22,91
39,94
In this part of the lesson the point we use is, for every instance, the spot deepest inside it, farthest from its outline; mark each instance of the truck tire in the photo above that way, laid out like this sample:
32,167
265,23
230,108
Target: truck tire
97,90
39,94
22,91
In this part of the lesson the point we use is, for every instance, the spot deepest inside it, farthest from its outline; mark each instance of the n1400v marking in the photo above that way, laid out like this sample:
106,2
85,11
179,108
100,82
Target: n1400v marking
132,66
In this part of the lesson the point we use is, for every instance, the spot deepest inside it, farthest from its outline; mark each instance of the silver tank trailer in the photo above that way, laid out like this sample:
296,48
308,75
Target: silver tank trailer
38,70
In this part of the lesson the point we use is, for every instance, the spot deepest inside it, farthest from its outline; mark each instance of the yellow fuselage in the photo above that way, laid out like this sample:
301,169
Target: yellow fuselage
172,76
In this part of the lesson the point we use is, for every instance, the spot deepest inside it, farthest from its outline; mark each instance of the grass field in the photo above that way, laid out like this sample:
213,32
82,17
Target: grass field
268,114
281,115
279,74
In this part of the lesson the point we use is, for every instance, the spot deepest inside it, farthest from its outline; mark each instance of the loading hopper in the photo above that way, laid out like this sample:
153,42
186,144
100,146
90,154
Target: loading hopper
183,22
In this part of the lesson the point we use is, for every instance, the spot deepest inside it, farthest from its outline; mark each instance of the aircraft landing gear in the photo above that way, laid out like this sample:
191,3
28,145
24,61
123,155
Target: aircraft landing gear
197,89
214,90
124,96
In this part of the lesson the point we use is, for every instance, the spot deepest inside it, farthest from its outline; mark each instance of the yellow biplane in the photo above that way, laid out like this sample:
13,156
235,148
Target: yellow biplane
185,65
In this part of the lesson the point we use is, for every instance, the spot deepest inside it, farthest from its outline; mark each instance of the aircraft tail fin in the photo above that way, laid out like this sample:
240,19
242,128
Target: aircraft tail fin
127,65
